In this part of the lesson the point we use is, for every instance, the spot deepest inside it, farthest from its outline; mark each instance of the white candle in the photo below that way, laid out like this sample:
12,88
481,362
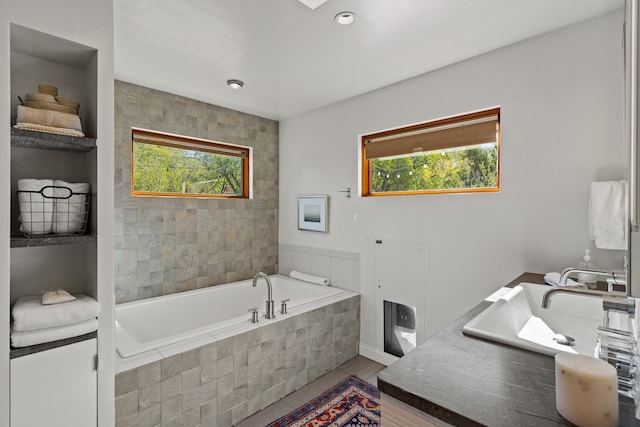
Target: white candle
586,390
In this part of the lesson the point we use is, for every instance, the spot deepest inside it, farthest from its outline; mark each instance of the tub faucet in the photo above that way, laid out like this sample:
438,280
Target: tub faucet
612,300
270,312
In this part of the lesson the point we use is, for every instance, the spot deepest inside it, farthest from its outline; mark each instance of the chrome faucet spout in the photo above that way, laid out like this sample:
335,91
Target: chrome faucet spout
567,271
546,298
611,302
270,311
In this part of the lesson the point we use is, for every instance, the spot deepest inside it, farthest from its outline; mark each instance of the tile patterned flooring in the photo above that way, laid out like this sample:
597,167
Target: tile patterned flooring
359,366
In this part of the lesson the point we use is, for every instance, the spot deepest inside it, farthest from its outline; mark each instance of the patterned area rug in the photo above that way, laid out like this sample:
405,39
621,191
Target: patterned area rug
351,403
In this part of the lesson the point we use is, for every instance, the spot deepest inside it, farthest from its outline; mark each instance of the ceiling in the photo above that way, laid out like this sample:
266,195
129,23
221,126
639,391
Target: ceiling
294,59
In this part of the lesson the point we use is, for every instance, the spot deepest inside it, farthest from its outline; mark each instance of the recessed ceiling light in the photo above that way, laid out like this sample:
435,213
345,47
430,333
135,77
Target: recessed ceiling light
345,18
235,84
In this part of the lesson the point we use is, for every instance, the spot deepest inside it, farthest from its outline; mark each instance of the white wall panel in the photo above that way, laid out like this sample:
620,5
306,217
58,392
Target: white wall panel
561,102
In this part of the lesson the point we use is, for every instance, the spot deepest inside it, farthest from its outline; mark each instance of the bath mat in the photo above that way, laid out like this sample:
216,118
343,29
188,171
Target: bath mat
351,403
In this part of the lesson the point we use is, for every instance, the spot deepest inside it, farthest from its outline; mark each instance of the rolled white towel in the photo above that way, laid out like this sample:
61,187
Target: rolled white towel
30,314
36,206
39,336
70,213
553,279
318,280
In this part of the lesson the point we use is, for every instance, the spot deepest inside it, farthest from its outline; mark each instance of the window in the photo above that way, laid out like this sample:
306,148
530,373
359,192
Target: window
172,165
454,155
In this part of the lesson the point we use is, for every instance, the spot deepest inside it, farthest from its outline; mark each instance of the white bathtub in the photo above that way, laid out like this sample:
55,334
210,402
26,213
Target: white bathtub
153,323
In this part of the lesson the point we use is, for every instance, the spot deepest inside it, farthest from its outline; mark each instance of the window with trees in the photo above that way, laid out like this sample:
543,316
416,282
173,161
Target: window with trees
172,165
458,154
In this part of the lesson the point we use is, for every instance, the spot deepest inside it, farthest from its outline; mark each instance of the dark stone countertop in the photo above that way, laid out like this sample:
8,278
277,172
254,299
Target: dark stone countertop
468,381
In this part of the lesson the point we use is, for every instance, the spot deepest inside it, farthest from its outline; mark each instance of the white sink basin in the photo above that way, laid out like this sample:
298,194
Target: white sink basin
518,319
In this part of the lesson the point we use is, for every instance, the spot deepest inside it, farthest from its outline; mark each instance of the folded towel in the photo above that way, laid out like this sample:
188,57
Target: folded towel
51,118
39,336
553,279
30,314
318,280
49,129
36,210
56,296
70,214
608,214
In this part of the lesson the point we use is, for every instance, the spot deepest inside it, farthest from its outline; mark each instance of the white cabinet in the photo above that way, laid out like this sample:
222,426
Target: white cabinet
56,387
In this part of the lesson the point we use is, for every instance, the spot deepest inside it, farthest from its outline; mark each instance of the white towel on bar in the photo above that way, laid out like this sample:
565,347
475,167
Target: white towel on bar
30,314
39,336
36,210
318,280
608,214
70,214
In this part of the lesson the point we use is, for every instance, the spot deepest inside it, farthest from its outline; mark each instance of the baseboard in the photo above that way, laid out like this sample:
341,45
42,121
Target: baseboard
378,356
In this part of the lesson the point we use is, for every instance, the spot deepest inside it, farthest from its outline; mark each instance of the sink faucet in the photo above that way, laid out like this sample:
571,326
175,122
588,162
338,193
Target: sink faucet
270,312
610,301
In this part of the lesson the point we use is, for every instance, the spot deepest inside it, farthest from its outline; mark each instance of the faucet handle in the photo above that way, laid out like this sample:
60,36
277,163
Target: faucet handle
254,314
283,306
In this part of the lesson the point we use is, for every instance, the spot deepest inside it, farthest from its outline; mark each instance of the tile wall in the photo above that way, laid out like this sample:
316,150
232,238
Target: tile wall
222,383
341,267
167,245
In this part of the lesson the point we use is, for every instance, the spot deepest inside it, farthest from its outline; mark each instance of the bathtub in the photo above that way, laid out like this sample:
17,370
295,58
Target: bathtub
217,311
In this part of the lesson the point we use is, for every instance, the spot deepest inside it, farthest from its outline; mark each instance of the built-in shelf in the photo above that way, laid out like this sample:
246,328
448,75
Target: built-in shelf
51,141
25,351
30,242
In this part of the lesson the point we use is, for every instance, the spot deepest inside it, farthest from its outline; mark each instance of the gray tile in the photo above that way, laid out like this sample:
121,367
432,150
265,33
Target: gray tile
208,372
149,374
190,359
191,399
150,417
171,387
150,395
239,413
225,384
126,382
171,366
171,409
191,379
224,419
126,405
129,421
172,422
225,365
225,402
209,390
191,417
209,353
209,410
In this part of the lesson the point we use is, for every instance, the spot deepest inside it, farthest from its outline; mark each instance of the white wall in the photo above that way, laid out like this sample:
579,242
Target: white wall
561,102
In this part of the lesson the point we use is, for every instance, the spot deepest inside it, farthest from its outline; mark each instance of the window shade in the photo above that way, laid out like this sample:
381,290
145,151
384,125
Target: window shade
167,140
433,136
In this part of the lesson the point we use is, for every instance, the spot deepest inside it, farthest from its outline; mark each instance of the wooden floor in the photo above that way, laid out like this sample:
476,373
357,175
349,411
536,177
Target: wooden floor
359,366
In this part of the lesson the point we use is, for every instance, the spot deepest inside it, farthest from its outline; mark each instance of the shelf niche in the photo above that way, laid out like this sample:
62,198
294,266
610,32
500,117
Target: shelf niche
42,58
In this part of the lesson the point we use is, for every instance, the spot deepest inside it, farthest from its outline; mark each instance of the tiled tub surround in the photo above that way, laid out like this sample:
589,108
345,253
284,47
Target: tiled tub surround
165,245
341,267
244,370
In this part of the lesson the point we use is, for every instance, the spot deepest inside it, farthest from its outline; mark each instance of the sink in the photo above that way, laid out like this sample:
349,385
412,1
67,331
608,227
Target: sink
517,319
